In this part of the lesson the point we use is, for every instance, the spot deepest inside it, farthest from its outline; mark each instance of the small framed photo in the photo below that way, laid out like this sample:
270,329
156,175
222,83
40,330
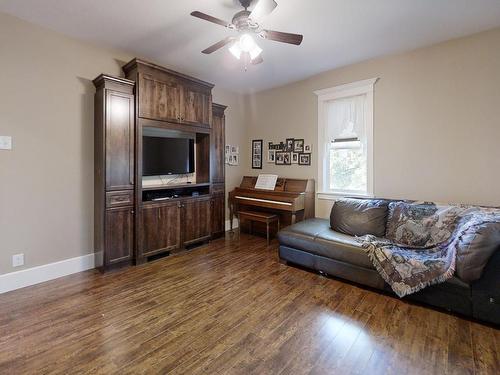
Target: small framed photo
307,148
270,145
298,145
282,146
283,158
236,159
257,154
271,156
304,159
289,144
295,158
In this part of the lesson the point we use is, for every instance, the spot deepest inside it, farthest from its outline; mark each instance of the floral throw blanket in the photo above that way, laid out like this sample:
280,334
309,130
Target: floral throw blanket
420,247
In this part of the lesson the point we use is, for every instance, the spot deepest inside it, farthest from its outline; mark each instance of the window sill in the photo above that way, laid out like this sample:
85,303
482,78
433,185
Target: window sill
332,196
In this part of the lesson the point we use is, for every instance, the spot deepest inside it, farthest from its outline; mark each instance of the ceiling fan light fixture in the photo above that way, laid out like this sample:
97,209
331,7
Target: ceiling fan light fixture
235,50
247,43
255,52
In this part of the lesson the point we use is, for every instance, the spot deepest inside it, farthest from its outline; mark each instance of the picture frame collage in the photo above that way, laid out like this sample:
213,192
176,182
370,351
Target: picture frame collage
291,151
232,155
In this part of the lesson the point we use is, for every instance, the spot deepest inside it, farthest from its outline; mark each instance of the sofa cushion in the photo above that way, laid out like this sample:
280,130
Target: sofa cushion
358,217
316,237
475,247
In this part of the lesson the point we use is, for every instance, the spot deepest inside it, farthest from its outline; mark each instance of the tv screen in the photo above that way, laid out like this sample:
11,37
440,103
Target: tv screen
161,156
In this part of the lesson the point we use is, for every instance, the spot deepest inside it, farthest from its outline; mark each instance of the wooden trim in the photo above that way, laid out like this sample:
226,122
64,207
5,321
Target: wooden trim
132,64
102,78
172,126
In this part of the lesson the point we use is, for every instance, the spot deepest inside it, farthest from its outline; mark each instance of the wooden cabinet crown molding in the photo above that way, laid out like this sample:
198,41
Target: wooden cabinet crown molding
137,64
218,109
105,79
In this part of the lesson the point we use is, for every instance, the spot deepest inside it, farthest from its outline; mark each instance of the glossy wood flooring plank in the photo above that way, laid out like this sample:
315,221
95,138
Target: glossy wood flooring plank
230,308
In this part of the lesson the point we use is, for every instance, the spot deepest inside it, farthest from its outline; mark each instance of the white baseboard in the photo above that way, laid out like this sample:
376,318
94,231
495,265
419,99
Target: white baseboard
35,275
228,224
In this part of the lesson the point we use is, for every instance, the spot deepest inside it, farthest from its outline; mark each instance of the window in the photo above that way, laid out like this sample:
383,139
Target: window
345,139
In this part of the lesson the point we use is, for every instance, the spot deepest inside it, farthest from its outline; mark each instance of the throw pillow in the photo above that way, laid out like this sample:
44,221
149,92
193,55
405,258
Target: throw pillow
357,217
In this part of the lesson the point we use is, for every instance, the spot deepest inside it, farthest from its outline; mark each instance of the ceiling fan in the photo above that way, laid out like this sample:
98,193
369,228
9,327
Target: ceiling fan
247,23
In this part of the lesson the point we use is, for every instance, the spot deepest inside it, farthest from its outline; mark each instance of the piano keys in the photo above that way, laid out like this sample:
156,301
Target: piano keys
292,199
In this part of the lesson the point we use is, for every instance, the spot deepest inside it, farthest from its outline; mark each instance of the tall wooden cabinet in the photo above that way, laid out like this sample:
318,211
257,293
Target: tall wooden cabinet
114,133
217,174
131,224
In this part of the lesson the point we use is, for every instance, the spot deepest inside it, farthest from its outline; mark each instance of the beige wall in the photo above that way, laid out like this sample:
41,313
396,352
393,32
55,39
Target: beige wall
437,121
46,105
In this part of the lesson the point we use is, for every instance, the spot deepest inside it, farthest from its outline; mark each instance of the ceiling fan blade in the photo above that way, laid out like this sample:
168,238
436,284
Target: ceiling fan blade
218,45
279,36
257,60
208,18
263,8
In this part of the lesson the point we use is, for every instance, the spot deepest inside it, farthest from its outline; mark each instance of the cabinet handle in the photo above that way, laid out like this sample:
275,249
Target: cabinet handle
132,211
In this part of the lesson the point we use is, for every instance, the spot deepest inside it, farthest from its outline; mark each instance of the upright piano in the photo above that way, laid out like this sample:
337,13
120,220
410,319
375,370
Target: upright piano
292,199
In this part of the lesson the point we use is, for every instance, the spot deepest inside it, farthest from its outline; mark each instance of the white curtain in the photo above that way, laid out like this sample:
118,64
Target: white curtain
345,118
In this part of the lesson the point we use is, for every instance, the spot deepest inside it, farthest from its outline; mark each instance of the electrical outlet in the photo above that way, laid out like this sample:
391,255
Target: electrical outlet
17,260
5,143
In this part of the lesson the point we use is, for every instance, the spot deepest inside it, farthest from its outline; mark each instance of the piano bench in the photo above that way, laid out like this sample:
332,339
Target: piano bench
262,217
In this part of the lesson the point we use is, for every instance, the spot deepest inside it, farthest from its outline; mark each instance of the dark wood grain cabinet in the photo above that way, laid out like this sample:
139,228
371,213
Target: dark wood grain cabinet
119,140
165,95
159,100
217,143
196,220
114,170
196,105
160,228
218,215
132,222
217,169
119,240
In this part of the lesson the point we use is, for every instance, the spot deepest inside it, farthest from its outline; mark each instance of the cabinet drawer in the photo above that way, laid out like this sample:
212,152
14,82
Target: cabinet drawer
119,198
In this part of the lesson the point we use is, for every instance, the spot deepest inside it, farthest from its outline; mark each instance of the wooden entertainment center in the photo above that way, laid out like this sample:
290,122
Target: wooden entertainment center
135,222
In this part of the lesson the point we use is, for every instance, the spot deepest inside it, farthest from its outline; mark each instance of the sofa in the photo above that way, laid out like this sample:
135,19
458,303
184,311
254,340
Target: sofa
332,247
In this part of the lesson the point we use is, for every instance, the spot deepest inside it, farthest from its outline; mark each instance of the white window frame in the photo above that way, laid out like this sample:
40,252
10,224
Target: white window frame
364,87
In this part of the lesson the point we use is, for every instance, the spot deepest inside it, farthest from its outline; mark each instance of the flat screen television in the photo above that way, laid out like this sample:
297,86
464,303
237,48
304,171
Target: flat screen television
163,156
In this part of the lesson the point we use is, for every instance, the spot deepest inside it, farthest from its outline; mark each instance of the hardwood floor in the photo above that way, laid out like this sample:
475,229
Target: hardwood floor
230,307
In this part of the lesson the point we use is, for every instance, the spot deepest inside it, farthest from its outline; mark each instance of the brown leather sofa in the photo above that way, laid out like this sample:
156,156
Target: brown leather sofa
314,244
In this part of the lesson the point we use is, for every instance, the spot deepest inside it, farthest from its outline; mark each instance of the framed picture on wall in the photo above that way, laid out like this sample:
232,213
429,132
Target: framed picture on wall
289,144
295,158
307,148
283,158
257,154
298,145
271,156
304,159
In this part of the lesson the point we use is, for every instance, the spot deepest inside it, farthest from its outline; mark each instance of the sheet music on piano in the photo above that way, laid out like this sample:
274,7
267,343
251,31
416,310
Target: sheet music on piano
266,181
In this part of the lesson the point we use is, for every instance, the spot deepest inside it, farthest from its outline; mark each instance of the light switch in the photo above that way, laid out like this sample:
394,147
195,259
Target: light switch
5,142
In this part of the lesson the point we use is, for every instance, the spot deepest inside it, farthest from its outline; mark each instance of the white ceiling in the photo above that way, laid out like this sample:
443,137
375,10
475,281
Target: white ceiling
336,32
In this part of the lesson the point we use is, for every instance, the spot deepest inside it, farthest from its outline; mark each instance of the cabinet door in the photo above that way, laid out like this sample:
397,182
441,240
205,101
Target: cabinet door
160,228
196,220
119,141
196,106
119,229
159,100
217,149
218,215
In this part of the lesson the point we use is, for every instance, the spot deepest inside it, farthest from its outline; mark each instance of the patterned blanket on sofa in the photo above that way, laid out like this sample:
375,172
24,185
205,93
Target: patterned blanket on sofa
420,248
